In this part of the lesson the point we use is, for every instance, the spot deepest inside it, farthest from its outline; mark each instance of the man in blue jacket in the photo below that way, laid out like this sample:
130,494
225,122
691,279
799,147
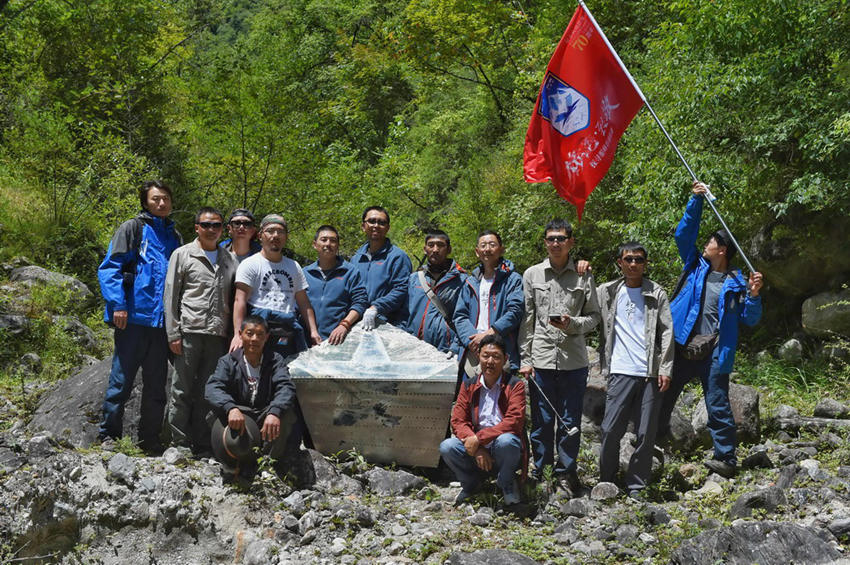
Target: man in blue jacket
335,289
432,293
384,269
132,281
712,300
491,301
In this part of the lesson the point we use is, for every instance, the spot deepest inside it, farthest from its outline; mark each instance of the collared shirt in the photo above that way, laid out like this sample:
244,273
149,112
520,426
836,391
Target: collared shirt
488,412
549,292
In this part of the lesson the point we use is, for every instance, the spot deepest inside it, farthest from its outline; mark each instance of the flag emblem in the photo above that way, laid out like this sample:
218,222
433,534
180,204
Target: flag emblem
565,108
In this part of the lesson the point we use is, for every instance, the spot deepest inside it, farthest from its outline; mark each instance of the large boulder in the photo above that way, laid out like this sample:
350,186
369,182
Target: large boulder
745,410
72,409
827,314
32,274
766,543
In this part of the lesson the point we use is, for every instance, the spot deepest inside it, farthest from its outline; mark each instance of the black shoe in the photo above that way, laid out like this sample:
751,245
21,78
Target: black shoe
722,468
151,448
569,481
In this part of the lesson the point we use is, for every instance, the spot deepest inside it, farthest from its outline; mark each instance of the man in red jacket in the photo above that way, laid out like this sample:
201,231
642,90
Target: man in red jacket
488,422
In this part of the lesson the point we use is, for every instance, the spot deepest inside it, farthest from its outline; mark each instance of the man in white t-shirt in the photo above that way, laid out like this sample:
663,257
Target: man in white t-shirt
274,287
636,352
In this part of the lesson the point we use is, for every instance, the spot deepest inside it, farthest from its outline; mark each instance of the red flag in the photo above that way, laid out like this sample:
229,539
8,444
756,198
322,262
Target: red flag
585,104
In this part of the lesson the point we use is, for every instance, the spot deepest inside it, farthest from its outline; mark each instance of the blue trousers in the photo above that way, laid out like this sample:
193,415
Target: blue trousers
137,346
565,390
715,389
506,451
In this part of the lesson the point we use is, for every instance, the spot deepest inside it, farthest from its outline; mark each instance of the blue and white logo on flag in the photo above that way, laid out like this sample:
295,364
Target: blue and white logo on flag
564,107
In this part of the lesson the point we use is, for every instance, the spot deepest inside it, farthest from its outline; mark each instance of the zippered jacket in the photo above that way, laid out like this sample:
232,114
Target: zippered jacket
334,296
132,275
424,319
658,326
465,420
385,277
735,305
228,386
198,293
506,307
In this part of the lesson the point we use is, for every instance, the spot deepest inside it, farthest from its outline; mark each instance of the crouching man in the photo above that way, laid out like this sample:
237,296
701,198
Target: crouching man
488,422
249,391
636,351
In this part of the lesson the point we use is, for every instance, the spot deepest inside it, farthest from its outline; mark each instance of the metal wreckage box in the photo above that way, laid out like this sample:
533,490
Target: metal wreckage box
384,393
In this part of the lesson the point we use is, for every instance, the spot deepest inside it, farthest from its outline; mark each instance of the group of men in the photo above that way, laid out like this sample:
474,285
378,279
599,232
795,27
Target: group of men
229,313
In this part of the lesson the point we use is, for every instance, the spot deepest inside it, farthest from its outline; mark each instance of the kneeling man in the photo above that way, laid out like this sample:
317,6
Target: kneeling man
250,383
488,422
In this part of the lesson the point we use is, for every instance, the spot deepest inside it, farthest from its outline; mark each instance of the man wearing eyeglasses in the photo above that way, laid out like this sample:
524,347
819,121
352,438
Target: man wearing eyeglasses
561,306
198,287
384,268
432,294
242,229
636,354
491,301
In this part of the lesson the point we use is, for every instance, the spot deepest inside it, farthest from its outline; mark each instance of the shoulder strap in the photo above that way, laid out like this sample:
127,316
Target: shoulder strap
434,298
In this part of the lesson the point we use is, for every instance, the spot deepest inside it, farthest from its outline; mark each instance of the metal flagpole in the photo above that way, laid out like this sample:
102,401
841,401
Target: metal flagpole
709,197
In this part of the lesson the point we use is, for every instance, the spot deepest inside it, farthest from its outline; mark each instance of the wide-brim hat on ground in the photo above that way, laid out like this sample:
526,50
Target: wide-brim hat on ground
232,447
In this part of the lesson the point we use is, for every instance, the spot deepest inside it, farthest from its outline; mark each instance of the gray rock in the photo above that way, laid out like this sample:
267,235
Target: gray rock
756,542
174,456
840,528
13,324
579,507
757,460
32,275
785,411
827,314
80,333
656,515
828,441
398,530
489,557
830,408
745,409
626,533
39,446
122,468
9,461
594,400
767,499
482,518
79,399
258,552
308,522
392,483
593,548
682,435
791,351
29,364
787,474
604,491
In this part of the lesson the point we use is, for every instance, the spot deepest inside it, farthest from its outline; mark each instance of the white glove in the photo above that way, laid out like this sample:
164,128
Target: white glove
369,317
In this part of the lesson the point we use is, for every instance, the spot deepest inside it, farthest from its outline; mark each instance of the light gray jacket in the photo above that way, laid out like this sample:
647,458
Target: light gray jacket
198,295
659,326
549,292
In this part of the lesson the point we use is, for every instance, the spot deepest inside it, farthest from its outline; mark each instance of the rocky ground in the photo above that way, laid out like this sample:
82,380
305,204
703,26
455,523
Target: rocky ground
60,504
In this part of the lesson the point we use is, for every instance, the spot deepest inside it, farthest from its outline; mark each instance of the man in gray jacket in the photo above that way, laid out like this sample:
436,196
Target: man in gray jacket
636,352
198,290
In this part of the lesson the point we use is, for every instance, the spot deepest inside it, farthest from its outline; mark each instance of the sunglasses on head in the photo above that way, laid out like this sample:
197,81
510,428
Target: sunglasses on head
242,223
210,225
634,259
558,238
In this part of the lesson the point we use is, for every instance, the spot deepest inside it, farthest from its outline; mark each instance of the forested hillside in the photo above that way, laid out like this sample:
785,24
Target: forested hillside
317,108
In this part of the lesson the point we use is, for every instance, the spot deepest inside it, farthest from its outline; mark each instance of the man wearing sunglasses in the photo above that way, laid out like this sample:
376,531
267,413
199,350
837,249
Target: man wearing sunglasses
636,353
710,302
561,306
198,287
385,270
243,235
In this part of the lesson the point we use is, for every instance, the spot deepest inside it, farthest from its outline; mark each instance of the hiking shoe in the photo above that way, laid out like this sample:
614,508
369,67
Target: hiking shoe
722,468
570,482
511,494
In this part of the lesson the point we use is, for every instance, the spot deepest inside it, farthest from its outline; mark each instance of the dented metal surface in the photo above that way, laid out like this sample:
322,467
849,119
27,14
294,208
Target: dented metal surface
384,393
